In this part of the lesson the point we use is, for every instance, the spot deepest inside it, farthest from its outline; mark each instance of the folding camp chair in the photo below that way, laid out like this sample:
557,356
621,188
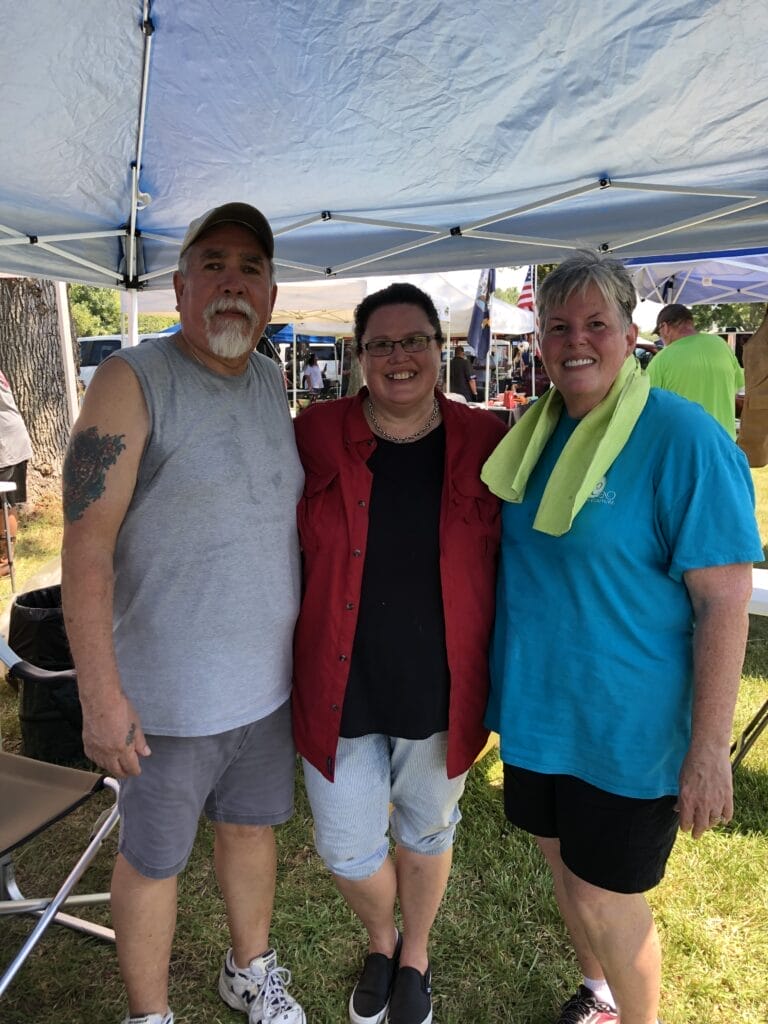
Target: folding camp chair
34,795
753,729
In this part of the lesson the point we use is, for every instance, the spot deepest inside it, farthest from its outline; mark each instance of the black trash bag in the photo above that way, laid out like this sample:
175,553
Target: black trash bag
50,715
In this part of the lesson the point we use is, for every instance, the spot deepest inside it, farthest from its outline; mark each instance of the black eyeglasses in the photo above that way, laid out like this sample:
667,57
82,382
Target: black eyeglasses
386,346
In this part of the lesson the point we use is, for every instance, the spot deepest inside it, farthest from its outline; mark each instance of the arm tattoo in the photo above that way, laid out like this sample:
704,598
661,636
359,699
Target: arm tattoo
130,735
85,466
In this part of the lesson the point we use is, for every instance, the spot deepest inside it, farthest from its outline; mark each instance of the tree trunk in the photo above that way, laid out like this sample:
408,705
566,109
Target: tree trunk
30,357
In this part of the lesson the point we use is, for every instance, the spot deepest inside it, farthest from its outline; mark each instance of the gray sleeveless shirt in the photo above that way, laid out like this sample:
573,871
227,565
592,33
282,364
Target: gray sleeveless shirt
207,560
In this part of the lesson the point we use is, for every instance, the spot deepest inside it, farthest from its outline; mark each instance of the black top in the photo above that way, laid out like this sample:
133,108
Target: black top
460,375
398,680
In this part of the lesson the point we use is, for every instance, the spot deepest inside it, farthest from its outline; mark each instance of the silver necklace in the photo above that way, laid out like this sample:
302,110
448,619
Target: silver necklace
411,437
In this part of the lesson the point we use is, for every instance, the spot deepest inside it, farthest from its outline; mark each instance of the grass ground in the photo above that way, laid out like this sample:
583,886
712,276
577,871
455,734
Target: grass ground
499,951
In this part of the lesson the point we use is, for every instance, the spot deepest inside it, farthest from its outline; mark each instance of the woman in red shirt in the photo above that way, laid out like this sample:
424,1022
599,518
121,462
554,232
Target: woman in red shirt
399,540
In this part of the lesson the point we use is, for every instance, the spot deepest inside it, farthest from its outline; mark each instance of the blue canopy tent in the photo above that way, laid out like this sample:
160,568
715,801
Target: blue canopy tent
706,278
380,138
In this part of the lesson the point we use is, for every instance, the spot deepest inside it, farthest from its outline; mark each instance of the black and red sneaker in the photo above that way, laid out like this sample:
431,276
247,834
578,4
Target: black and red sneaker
586,1008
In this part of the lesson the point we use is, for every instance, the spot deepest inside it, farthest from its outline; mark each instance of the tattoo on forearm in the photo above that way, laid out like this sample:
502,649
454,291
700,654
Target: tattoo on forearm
85,467
130,734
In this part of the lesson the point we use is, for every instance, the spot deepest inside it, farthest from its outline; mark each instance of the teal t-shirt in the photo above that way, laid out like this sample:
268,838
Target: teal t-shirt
703,369
591,654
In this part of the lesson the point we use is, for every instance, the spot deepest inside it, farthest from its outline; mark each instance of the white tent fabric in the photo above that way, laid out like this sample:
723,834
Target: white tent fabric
454,297
380,137
327,307
742,278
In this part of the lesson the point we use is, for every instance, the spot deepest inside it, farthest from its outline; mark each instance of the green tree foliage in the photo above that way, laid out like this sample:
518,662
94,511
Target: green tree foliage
151,323
542,270
97,311
737,316
510,295
94,310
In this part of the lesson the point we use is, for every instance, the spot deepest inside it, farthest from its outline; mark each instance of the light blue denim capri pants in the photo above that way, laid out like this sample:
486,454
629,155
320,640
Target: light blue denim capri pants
352,814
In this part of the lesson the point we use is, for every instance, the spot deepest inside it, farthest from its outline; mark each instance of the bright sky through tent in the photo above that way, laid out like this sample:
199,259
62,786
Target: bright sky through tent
645,313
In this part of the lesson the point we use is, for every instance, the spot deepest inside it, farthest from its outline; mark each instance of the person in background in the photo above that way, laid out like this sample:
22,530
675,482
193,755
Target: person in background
312,376
15,452
698,366
516,363
399,542
752,406
485,370
614,737
463,380
184,699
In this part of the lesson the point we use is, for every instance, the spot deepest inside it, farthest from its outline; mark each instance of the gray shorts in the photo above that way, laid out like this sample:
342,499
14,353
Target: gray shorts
242,777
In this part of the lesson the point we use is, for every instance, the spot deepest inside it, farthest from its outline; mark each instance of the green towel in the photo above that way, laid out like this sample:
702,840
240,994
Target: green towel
587,456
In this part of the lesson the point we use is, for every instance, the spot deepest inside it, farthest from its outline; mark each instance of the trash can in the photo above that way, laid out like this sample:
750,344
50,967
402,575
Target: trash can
50,715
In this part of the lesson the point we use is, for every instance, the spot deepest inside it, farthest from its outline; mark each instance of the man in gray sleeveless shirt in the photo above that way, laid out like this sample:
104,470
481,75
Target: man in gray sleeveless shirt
180,588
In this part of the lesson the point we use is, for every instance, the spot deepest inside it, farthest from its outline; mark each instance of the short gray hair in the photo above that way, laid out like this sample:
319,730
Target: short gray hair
581,271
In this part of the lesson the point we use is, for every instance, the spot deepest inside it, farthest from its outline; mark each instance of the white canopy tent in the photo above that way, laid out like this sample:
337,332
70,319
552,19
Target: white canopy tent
327,307
380,137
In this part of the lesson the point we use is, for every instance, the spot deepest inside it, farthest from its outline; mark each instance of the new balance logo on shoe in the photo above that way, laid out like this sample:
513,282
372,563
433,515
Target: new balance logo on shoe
260,990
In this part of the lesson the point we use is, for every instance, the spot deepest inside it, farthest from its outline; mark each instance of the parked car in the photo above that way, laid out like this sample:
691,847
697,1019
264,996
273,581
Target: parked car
94,351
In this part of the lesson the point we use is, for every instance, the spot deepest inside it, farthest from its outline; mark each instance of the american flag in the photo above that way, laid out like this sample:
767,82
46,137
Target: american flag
526,292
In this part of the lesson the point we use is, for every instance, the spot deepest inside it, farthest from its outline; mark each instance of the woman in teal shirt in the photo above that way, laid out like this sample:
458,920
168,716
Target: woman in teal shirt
614,704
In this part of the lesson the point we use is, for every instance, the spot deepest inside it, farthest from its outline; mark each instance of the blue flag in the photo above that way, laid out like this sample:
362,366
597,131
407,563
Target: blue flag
479,333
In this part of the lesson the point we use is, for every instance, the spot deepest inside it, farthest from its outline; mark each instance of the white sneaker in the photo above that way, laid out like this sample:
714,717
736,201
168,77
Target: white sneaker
151,1018
260,990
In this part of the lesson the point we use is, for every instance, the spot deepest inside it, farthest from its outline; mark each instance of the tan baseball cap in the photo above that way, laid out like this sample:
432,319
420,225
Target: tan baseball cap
232,213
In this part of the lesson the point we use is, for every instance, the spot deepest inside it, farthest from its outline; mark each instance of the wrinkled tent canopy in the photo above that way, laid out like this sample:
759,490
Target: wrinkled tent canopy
380,137
704,280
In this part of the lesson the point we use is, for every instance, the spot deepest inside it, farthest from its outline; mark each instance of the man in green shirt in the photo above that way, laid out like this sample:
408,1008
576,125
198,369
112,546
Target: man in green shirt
698,366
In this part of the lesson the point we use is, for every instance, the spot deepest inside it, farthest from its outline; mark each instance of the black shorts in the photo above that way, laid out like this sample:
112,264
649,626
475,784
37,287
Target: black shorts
18,475
615,842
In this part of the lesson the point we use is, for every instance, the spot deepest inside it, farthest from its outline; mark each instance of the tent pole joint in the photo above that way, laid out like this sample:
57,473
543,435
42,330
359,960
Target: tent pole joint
456,232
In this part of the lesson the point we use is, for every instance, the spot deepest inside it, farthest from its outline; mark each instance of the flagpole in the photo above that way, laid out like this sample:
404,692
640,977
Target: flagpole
448,352
534,283
295,382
